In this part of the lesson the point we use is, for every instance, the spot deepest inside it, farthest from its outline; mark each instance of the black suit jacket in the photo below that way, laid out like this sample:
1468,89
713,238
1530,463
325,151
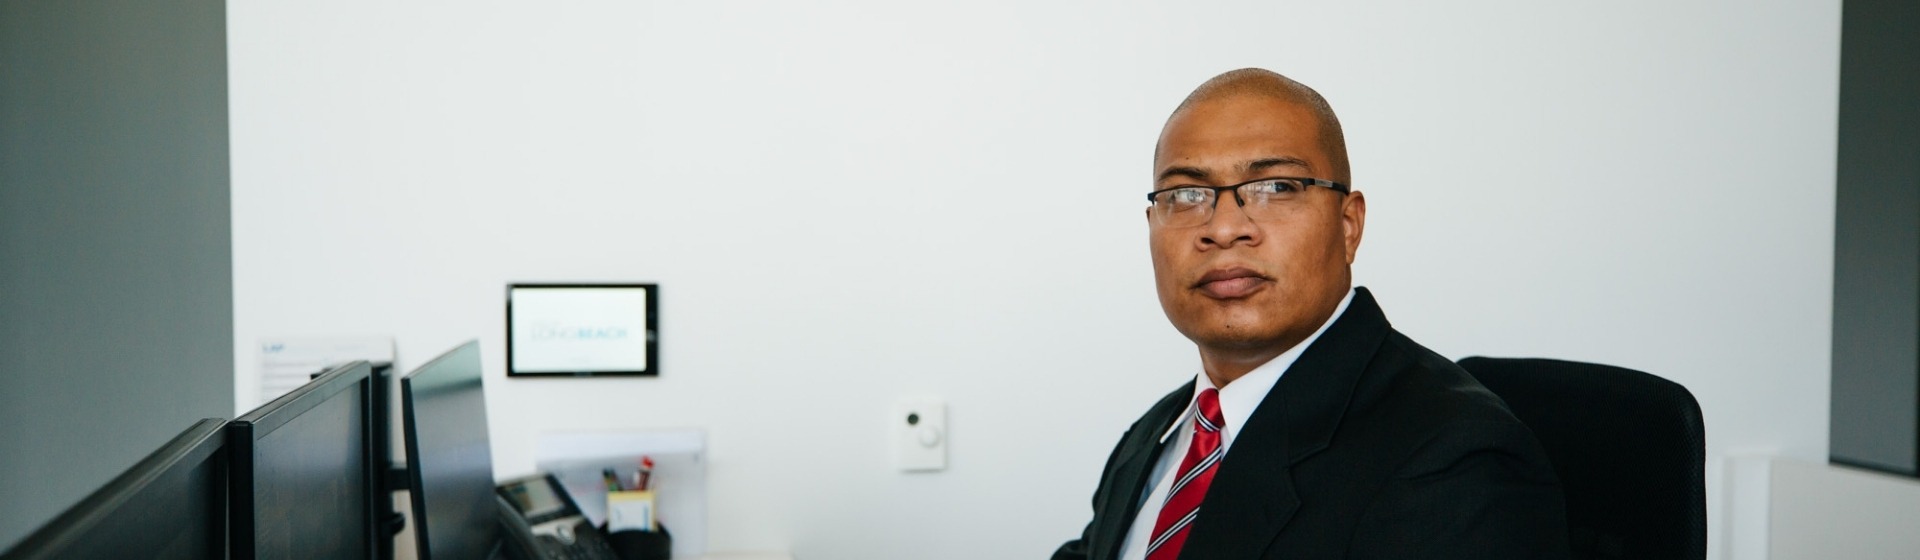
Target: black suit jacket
1369,446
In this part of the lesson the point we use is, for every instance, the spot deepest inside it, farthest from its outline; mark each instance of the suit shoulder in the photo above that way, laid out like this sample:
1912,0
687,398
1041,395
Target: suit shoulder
1445,413
1437,390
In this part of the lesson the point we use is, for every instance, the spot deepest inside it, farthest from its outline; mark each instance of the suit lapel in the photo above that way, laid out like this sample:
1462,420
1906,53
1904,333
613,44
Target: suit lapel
1247,504
1129,477
1253,495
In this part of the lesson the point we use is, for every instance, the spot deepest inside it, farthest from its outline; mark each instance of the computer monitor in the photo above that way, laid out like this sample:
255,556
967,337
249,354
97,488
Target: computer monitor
171,505
304,483
455,515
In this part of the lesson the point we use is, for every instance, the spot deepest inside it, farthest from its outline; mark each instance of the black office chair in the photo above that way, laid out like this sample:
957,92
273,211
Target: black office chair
1629,449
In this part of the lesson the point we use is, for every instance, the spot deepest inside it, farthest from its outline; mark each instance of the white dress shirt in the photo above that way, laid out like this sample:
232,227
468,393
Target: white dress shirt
1237,401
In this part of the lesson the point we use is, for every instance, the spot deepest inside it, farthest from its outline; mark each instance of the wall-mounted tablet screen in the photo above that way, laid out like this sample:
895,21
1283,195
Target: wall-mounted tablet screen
583,329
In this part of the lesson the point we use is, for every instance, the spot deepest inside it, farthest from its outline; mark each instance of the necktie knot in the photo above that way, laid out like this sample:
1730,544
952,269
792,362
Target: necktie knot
1208,407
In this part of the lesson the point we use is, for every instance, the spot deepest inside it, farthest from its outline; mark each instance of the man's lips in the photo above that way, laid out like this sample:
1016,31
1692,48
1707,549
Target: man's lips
1229,283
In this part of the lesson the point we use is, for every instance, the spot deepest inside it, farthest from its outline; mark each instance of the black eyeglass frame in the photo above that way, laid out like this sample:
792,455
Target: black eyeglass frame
1242,201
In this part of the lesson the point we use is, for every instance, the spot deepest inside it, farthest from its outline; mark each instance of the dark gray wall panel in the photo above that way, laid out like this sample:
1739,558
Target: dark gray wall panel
1876,278
116,290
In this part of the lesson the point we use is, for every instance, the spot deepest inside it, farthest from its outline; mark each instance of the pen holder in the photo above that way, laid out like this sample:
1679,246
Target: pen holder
642,545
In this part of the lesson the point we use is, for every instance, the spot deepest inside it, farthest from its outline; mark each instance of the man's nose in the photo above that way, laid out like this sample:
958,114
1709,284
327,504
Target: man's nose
1230,223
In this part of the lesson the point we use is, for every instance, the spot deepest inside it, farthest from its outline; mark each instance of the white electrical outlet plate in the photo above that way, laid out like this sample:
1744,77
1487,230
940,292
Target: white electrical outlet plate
919,435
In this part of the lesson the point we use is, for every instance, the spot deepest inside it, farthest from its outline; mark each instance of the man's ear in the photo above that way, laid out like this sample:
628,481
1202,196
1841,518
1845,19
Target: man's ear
1353,221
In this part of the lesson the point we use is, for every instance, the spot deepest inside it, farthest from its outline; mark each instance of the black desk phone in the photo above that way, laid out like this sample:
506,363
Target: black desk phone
545,523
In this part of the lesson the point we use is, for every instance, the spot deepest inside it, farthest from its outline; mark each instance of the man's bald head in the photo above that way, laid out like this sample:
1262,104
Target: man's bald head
1269,84
1251,278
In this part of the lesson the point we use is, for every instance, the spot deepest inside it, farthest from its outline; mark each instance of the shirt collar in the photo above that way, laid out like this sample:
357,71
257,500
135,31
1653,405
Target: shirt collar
1240,397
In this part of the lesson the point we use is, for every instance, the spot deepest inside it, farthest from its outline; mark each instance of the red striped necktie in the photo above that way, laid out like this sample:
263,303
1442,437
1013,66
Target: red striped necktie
1196,474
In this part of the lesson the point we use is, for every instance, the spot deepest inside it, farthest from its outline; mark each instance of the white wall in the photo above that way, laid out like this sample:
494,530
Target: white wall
1820,512
849,202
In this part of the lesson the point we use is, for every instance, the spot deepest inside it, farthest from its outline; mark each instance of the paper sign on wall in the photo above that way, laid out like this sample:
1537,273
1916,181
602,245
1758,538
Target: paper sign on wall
287,363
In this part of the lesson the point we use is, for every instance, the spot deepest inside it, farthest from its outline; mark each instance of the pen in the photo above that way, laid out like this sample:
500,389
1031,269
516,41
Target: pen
644,480
613,480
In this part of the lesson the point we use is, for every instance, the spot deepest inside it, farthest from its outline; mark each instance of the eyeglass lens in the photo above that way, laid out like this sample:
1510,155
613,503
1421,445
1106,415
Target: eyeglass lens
1260,200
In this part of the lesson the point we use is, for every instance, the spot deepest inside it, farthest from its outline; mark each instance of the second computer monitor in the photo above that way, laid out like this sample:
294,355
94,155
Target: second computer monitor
304,478
455,515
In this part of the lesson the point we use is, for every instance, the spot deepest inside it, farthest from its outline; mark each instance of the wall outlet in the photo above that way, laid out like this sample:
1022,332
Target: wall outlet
919,435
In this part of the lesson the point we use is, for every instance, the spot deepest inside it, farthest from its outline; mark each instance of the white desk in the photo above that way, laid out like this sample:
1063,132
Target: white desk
404,546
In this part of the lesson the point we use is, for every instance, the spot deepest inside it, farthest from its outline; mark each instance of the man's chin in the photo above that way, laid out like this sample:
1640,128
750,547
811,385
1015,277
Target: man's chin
1234,339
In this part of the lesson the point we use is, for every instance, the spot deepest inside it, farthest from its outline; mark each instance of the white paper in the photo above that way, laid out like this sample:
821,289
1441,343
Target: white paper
287,363
679,476
631,514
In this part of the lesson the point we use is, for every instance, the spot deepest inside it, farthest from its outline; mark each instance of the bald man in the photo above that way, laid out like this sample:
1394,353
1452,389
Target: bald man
1313,430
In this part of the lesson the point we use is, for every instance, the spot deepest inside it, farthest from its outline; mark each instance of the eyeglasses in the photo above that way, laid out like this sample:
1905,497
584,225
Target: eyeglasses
1262,199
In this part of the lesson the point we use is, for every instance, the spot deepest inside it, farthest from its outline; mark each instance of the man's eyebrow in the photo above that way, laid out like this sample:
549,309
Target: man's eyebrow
1267,163
1194,173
